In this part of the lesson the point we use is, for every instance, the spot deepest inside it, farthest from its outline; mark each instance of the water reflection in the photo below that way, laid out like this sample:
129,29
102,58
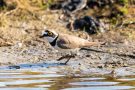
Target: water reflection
26,66
41,80
101,88
24,88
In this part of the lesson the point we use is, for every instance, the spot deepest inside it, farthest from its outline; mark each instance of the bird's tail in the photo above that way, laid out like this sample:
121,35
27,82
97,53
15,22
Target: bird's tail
88,44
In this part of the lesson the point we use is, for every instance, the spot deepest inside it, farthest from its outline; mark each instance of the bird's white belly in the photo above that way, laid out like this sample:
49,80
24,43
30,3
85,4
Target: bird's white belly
68,51
60,49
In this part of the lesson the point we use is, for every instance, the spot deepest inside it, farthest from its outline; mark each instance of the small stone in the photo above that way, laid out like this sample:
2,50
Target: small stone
101,66
87,55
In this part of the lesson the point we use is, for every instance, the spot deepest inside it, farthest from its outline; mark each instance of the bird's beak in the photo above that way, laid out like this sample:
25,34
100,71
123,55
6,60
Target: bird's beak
41,36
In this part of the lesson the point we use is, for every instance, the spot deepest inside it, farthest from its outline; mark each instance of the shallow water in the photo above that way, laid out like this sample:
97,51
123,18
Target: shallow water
36,78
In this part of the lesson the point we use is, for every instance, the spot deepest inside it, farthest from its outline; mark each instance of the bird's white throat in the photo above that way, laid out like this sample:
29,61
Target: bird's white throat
50,39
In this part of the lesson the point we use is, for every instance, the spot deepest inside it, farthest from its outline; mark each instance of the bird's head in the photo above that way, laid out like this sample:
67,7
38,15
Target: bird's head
49,35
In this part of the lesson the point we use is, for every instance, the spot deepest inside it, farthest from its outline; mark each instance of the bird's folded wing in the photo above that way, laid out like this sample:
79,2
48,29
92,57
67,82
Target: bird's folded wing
67,42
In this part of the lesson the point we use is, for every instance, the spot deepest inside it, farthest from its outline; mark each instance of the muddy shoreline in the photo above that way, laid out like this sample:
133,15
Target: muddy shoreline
113,59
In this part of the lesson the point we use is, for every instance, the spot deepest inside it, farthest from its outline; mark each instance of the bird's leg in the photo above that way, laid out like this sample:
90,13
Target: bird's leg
66,56
62,58
71,56
67,60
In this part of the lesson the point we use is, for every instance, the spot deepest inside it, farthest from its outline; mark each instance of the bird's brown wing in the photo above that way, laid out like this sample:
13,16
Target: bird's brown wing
63,44
69,42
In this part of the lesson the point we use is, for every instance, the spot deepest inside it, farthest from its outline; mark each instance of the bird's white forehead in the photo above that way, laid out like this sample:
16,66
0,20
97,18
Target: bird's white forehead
43,32
46,32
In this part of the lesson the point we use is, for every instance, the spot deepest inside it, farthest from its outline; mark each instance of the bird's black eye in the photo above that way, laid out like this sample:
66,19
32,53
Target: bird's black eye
49,33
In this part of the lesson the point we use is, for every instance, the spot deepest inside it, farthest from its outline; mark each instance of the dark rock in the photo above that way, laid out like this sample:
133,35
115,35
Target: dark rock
2,3
100,66
99,3
87,55
69,6
86,23
74,5
55,6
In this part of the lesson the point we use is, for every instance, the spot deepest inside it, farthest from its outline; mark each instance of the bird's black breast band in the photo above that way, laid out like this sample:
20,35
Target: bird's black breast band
53,43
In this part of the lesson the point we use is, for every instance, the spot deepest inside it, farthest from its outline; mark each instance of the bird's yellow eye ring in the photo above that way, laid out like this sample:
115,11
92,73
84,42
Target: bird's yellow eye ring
49,33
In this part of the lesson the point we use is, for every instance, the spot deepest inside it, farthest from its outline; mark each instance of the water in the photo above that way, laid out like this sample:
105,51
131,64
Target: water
43,79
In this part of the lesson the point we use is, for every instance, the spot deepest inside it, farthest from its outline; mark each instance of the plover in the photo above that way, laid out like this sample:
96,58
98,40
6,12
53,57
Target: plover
66,42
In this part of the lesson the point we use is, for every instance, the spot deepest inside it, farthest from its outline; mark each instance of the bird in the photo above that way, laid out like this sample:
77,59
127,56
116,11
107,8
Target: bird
66,42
